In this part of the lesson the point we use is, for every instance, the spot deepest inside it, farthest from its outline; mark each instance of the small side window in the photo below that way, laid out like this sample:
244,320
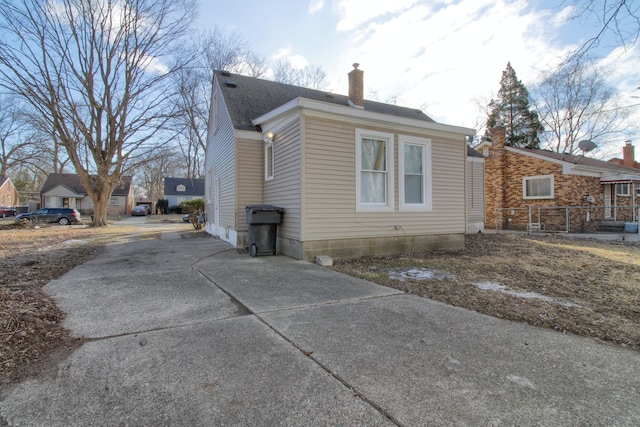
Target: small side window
268,161
622,189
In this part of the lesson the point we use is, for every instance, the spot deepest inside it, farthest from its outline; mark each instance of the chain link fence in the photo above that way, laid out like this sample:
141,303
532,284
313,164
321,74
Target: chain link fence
568,219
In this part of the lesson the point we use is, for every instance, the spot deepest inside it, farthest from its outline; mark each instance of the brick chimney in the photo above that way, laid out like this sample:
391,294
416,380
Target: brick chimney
628,155
495,175
356,87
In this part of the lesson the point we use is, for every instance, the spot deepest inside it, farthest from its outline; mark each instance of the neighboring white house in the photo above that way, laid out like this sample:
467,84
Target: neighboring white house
178,190
64,190
355,177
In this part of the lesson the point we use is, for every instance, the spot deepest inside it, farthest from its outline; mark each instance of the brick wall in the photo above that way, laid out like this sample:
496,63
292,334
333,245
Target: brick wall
8,195
504,172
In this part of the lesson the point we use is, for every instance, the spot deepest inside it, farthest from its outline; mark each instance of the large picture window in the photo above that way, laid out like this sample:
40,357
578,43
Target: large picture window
414,162
374,175
537,187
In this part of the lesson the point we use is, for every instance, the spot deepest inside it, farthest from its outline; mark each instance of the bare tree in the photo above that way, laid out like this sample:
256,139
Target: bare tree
14,141
576,103
311,76
96,71
214,50
620,18
254,65
152,173
190,124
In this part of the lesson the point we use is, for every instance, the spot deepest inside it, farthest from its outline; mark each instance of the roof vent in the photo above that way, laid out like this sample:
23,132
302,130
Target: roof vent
230,83
225,73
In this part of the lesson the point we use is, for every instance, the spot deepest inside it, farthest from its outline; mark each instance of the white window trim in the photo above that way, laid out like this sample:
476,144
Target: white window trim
375,207
267,146
628,193
425,143
524,187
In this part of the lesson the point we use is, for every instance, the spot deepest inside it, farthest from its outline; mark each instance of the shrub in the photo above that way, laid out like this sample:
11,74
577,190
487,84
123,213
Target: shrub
162,206
195,209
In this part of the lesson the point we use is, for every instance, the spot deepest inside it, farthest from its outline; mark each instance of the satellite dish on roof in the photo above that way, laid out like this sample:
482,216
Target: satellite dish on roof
585,145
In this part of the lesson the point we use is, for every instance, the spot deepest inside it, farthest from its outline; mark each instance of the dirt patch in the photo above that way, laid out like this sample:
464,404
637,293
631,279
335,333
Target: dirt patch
588,288
30,322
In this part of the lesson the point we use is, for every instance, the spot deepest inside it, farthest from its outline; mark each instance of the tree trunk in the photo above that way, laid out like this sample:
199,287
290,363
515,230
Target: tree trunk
100,208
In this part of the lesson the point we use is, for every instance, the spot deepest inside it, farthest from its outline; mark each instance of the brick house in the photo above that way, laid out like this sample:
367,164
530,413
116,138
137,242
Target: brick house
556,191
8,194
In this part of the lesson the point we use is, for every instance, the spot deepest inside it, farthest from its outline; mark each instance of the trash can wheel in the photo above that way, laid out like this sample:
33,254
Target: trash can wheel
253,250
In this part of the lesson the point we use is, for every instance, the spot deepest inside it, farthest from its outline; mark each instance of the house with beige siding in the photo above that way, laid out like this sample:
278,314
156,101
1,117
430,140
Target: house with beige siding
354,177
64,190
567,192
475,203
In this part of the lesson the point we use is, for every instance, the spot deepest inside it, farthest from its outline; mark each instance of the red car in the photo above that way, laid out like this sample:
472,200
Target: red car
5,212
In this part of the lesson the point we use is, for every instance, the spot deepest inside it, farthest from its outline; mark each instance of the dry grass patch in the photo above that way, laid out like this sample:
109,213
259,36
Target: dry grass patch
588,288
30,257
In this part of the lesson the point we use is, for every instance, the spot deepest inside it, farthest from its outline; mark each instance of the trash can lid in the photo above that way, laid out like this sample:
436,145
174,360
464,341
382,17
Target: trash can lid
264,208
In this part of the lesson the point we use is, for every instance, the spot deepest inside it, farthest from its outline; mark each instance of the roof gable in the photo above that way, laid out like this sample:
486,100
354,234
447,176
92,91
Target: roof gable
192,186
248,98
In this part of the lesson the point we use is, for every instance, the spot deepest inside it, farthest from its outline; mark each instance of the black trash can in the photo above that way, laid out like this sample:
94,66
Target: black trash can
263,223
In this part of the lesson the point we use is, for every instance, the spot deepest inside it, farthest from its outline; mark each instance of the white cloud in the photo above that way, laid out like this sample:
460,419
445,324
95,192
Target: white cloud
298,62
352,13
443,58
281,53
315,6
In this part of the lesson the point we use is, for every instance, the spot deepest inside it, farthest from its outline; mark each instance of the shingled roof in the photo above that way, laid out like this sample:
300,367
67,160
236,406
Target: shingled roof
192,187
248,98
581,160
72,182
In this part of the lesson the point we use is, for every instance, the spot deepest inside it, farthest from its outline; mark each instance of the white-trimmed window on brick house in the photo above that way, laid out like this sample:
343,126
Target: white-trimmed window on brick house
374,171
268,161
537,187
623,189
414,163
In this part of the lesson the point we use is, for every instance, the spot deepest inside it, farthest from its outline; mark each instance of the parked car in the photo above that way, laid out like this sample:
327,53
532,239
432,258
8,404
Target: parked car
63,216
5,212
140,210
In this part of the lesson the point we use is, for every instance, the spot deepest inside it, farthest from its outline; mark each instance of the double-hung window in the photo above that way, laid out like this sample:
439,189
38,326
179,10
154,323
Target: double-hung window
374,171
537,187
622,189
414,162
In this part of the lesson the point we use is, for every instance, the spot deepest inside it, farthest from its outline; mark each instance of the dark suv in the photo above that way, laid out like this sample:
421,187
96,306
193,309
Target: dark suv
63,216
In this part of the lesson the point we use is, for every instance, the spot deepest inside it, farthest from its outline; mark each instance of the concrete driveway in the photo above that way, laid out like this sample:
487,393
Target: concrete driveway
187,332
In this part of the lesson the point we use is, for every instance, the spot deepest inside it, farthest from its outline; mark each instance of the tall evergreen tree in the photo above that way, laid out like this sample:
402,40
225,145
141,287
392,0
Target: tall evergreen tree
512,111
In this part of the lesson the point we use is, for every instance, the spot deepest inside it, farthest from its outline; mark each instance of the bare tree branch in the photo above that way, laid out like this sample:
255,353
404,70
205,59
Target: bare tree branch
620,18
576,103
